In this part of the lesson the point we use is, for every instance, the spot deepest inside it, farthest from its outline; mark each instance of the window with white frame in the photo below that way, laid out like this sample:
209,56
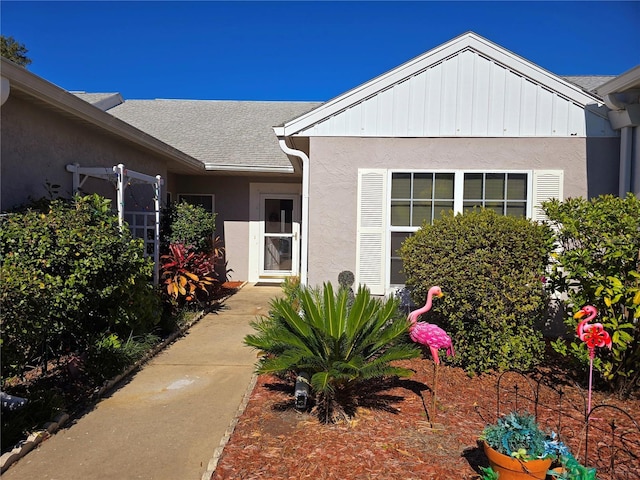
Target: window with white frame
419,197
504,193
205,201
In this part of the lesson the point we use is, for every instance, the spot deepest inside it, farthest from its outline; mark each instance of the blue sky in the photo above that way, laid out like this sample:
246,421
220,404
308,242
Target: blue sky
292,50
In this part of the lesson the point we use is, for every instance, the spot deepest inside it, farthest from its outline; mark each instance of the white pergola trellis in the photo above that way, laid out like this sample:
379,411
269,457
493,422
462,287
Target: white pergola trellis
121,178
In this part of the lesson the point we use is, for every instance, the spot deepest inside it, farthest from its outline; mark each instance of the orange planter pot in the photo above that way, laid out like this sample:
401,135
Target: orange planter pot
513,469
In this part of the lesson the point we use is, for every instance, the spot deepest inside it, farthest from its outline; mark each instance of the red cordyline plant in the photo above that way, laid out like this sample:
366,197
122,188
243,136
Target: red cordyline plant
185,273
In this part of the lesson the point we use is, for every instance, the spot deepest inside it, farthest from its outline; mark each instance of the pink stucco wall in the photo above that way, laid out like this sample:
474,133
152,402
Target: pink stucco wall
38,143
233,211
335,163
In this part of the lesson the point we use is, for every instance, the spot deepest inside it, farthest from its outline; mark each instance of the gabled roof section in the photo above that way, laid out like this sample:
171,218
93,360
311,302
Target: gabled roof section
234,136
468,86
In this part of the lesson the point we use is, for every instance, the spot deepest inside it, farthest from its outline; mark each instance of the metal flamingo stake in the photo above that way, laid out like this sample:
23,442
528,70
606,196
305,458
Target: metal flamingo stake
594,335
432,336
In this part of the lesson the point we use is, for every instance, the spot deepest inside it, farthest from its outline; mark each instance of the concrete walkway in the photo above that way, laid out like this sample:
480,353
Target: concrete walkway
165,421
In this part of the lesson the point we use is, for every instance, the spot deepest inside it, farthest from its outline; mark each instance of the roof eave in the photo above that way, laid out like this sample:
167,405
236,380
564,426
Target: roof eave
625,81
48,93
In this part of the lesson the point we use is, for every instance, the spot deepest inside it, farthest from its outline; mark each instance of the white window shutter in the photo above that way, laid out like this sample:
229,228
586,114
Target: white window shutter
371,243
547,184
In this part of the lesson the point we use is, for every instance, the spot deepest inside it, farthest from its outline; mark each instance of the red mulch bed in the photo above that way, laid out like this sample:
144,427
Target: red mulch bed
392,435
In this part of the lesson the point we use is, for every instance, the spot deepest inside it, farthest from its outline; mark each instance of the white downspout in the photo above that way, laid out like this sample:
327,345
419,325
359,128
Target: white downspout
120,172
156,232
304,248
625,161
5,87
635,162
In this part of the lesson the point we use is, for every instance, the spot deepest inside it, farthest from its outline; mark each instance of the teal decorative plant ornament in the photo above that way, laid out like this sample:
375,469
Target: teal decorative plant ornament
571,469
517,435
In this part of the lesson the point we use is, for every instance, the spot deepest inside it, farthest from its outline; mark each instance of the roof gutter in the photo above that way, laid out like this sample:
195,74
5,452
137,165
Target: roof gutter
212,167
304,249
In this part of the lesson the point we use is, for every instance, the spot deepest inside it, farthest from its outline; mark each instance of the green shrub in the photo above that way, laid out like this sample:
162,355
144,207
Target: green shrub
109,356
598,263
190,225
337,345
490,269
70,275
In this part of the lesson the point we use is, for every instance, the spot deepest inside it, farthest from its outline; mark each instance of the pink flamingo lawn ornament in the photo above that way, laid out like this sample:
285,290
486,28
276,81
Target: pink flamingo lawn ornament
430,335
594,335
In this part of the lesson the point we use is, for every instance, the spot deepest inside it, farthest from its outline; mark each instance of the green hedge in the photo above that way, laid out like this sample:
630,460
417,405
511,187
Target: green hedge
599,264
190,225
69,276
490,268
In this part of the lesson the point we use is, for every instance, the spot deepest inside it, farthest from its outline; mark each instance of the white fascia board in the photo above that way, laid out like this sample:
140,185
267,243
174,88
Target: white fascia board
212,167
470,40
44,91
625,81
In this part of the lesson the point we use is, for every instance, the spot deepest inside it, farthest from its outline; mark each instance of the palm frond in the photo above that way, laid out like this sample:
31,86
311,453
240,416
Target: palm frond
337,344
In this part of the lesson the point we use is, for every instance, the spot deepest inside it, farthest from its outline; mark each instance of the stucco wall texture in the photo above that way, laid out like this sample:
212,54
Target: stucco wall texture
231,198
41,142
334,178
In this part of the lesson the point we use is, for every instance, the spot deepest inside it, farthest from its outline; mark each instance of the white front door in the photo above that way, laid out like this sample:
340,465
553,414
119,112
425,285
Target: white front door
280,233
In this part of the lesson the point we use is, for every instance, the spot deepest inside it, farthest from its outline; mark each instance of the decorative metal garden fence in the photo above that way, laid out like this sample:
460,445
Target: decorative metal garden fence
607,437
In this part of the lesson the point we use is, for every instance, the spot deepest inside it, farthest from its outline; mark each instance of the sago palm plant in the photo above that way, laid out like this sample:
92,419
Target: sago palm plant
339,346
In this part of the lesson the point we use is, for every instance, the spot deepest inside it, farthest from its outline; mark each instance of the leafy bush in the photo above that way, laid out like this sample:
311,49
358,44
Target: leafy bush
490,269
189,225
188,275
598,263
68,276
110,356
338,346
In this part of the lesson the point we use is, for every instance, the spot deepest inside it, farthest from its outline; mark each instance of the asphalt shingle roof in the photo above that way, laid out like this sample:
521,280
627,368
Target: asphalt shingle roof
103,101
218,133
232,134
588,83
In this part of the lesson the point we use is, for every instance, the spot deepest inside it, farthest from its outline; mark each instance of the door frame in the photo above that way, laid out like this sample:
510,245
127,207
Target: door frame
257,193
294,235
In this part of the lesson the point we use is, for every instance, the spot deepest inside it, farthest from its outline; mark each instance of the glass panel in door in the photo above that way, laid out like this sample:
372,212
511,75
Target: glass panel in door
279,236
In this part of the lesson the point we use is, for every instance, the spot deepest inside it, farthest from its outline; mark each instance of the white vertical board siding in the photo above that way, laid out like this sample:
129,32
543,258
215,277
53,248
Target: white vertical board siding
528,107
547,184
544,114
417,106
401,108
448,99
385,114
512,105
560,117
466,94
433,110
481,108
497,100
371,250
